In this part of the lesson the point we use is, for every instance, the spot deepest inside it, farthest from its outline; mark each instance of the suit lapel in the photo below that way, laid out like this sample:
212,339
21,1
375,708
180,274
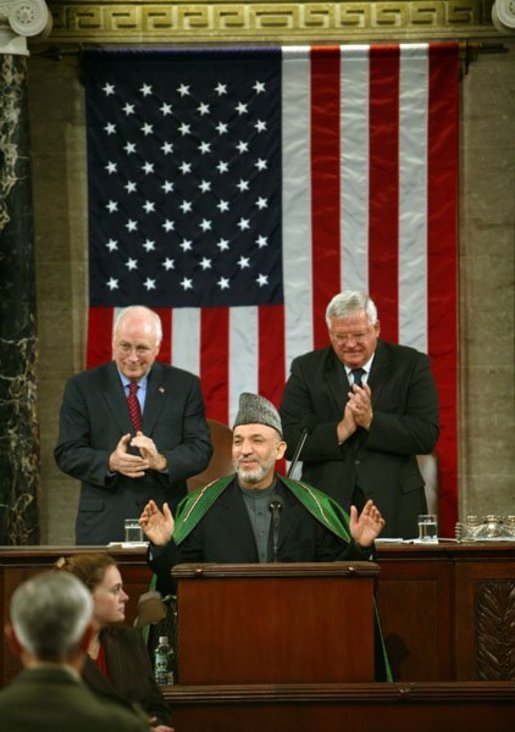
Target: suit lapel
380,372
233,514
113,393
158,391
336,380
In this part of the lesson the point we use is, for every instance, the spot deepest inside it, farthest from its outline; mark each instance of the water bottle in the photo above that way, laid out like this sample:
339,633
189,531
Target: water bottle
163,661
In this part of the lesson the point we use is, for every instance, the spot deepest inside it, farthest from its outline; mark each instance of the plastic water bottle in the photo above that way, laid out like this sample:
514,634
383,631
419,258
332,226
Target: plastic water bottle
163,661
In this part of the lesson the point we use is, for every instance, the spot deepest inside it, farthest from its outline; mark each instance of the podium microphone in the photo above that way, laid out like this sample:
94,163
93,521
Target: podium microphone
307,426
275,507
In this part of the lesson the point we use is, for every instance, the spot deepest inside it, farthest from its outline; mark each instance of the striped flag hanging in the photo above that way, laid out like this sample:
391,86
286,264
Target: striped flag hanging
235,191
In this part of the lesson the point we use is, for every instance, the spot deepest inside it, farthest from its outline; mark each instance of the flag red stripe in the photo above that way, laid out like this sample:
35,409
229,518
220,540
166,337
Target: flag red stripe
100,328
384,186
214,359
165,352
442,265
325,181
272,357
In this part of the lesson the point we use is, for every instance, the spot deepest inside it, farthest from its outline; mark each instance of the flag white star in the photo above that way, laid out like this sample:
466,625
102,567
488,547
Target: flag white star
184,129
261,164
185,245
243,185
146,89
204,186
183,90
242,147
165,109
223,245
169,263
244,262
205,225
147,129
203,109
242,108
110,128
129,148
222,167
149,245
169,225
259,87
131,264
130,186
223,283
112,245
167,186
131,225
185,206
148,168
185,168
205,263
150,284
260,125
112,284
167,147
128,109
262,241
204,147
108,89
262,203
111,167
112,206
149,206
262,280
222,128
221,89
244,224
187,283
222,206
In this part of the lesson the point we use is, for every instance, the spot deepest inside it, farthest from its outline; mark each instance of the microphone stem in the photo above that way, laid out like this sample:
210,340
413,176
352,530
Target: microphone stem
297,452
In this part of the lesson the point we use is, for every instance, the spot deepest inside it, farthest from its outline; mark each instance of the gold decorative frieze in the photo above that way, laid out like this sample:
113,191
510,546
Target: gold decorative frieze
109,21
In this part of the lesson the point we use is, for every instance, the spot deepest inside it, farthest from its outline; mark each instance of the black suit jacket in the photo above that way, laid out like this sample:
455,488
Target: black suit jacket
50,698
225,535
94,416
131,678
382,461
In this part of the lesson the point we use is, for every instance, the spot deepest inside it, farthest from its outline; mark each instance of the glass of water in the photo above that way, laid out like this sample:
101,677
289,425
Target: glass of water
133,531
427,528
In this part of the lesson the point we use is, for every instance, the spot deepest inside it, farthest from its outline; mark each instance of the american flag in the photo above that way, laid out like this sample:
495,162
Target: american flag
235,191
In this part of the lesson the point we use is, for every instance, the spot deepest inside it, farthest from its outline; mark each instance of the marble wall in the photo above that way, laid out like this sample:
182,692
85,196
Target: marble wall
487,289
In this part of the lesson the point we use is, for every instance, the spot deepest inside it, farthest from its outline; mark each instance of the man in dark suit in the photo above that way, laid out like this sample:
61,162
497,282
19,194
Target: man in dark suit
229,520
50,630
369,407
131,430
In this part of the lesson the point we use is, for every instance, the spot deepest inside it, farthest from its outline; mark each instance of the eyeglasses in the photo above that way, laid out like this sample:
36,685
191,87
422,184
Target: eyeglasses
126,348
346,337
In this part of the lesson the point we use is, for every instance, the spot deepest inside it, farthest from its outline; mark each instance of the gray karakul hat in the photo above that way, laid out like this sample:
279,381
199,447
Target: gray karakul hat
255,409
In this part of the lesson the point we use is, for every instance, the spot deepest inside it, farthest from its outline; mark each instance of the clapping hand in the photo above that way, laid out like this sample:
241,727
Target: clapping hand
367,527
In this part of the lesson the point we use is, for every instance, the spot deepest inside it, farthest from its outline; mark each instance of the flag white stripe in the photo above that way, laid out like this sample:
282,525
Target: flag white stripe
354,141
297,260
186,339
413,120
243,355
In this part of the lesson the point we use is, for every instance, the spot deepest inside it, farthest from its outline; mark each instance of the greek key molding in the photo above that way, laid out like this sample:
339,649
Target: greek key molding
109,21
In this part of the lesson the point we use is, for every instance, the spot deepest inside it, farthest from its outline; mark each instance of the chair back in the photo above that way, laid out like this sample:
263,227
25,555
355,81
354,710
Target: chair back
221,460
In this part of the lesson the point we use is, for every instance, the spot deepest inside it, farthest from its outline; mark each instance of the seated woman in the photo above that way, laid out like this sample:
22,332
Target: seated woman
118,664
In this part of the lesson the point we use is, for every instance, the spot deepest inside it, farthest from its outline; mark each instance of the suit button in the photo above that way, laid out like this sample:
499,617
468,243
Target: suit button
357,462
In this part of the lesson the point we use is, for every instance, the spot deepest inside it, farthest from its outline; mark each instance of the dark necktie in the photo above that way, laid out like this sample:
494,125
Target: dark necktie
134,407
357,375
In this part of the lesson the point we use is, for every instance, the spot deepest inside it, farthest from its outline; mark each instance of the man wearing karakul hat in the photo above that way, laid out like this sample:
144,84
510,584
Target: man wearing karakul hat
229,521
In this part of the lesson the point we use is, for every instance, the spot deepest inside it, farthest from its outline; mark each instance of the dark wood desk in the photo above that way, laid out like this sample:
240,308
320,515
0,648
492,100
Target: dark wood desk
444,609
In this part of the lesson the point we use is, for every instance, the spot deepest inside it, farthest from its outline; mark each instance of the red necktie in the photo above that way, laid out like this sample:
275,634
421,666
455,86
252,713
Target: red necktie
134,407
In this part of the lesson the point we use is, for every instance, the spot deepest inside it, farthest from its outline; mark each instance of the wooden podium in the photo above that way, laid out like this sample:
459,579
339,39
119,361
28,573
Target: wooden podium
275,623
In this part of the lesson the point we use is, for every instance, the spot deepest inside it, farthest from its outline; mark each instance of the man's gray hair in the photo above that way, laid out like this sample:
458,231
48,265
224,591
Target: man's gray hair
152,317
50,613
349,302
